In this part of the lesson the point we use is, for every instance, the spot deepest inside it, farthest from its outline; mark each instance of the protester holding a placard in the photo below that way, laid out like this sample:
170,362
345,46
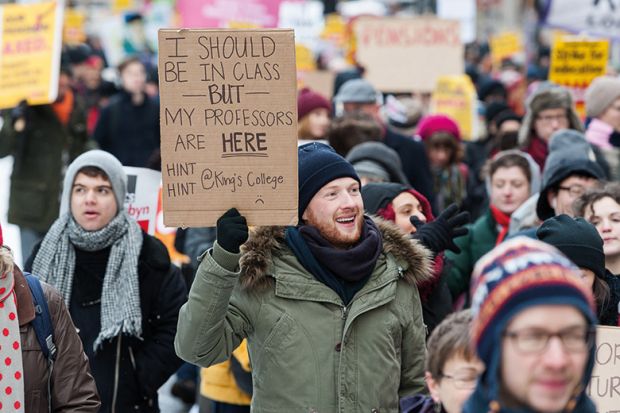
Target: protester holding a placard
121,289
360,95
128,127
42,139
603,108
314,115
330,307
534,330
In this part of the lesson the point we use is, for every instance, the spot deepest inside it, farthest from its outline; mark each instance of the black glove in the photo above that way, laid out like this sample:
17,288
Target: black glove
232,230
439,235
20,111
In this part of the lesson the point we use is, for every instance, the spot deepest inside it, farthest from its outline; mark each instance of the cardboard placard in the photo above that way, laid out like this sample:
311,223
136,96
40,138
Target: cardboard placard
432,48
577,61
456,97
604,386
320,81
142,196
228,117
30,42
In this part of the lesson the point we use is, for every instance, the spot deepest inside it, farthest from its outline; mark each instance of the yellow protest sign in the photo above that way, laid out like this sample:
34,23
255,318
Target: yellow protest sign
120,6
30,41
74,31
504,46
455,96
234,24
577,61
335,29
304,58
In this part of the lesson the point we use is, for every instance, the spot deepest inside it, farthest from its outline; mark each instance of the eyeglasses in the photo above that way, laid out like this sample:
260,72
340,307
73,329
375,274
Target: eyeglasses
574,340
462,381
547,119
574,190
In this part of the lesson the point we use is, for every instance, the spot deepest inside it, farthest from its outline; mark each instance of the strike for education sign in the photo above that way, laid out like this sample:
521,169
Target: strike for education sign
228,118
30,42
432,47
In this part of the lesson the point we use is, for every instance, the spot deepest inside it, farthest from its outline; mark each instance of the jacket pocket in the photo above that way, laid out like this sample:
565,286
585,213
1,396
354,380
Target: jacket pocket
280,330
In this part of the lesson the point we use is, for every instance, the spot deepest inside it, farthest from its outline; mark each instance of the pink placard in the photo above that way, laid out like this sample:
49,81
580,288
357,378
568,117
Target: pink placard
218,13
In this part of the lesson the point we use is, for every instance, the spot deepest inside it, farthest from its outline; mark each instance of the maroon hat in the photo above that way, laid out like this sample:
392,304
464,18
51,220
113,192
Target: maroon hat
438,123
307,101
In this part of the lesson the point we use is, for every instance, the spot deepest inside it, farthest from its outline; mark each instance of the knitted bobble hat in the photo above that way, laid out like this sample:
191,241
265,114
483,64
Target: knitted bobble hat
308,100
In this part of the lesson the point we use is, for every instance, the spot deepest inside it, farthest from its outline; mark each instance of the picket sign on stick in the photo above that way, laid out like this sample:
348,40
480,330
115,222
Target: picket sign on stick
228,119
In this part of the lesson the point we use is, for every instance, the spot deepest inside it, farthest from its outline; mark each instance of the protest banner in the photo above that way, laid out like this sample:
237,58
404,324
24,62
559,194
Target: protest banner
306,18
462,10
30,43
74,31
506,45
142,196
218,13
597,18
228,116
604,387
575,62
432,46
456,97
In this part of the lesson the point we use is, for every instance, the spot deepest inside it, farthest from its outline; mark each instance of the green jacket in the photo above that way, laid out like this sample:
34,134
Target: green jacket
310,353
480,240
40,154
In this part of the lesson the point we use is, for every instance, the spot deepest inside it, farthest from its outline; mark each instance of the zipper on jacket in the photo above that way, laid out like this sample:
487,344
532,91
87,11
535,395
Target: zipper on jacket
116,372
345,311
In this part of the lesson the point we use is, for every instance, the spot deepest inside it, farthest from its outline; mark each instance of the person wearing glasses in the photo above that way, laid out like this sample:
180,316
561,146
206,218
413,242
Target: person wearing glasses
534,329
601,207
452,368
602,100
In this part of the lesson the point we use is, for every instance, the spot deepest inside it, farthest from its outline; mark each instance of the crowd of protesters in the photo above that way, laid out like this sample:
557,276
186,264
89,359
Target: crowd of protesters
429,271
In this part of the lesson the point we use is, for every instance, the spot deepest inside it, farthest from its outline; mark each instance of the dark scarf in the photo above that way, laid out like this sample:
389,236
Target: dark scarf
539,150
344,271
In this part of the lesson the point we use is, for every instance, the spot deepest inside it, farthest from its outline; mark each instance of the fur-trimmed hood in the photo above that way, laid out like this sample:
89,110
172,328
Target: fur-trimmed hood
266,243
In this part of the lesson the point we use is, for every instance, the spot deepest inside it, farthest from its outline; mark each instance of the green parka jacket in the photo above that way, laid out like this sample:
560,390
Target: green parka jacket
310,353
40,154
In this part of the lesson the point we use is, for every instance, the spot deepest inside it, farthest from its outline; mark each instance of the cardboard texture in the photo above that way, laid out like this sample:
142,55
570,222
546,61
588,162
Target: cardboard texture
30,43
604,385
228,125
408,54
321,81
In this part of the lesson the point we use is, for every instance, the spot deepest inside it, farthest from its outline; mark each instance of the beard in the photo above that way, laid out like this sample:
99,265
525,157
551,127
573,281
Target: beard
330,231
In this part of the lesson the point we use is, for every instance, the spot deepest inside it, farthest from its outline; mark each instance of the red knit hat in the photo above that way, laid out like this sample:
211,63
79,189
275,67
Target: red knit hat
438,123
307,101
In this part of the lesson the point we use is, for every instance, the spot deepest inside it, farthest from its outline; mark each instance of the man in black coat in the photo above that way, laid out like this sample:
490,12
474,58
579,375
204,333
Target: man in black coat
122,291
360,95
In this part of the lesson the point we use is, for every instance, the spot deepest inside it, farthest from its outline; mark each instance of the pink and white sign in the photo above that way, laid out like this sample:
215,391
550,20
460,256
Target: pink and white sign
220,13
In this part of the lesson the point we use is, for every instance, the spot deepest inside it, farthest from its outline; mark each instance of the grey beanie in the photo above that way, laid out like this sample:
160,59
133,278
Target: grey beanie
104,161
381,154
601,93
371,169
356,91
569,154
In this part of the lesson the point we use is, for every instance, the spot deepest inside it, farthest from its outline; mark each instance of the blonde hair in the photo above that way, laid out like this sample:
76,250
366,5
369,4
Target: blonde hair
7,262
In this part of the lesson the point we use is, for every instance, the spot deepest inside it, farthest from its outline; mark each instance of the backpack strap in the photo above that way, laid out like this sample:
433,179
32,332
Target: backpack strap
42,322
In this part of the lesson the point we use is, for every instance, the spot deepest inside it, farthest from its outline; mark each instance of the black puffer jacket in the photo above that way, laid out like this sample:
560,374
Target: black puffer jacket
128,371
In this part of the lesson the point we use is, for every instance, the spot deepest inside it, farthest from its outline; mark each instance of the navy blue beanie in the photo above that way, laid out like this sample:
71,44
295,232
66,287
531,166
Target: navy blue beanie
319,164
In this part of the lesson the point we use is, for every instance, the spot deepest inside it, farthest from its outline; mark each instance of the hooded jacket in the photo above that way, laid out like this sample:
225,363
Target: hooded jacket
310,352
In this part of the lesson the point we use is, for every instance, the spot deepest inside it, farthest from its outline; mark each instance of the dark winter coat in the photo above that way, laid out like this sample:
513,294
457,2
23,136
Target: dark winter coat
73,388
608,316
129,132
41,152
142,365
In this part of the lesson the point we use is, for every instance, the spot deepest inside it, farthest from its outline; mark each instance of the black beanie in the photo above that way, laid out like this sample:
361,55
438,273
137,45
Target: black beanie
319,164
577,239
378,195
